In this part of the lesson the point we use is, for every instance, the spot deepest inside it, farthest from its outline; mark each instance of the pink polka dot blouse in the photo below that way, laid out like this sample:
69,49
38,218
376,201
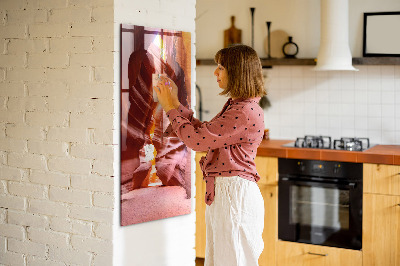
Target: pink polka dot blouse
231,139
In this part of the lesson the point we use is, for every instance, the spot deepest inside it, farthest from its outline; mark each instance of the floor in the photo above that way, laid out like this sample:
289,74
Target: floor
199,262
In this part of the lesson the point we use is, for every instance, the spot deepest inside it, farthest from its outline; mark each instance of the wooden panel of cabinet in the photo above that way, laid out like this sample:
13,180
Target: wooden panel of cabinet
381,179
267,168
270,233
381,230
298,254
200,209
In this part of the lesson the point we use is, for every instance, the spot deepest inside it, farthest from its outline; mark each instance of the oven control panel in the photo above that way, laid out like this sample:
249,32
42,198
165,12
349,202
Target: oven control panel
330,169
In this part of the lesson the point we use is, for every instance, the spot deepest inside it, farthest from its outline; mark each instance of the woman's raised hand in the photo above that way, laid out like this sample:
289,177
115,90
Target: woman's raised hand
167,93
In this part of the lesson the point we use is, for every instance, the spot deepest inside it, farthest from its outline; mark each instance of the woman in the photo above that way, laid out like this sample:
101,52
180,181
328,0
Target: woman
235,207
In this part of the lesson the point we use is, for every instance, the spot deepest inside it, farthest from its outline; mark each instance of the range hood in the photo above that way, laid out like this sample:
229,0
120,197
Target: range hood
334,51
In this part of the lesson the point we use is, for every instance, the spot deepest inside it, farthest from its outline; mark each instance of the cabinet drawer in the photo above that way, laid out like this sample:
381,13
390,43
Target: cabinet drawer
294,254
381,179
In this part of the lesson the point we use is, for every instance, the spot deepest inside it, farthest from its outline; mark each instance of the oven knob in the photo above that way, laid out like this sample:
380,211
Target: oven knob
302,167
336,169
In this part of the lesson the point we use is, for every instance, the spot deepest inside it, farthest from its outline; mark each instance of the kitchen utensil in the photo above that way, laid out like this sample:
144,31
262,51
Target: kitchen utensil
232,35
269,38
252,9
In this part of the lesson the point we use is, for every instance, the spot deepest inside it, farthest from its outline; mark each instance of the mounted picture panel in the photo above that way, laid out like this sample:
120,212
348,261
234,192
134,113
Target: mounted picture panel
155,167
381,34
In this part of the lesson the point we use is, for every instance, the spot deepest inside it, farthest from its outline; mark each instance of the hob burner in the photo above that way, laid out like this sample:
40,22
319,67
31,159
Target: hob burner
321,142
351,144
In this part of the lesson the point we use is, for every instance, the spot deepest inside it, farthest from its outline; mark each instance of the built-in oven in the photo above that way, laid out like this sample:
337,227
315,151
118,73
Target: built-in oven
320,202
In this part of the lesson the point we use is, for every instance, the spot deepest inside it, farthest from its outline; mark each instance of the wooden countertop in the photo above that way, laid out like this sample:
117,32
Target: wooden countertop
379,154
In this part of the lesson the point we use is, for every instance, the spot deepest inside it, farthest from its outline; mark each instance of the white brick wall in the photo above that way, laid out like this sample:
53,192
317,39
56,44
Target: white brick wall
56,126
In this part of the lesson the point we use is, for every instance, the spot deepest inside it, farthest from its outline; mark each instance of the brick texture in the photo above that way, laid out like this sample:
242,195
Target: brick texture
12,89
46,207
51,102
48,237
99,246
28,219
103,231
71,44
71,165
70,196
20,46
91,214
71,226
49,178
27,247
12,202
69,256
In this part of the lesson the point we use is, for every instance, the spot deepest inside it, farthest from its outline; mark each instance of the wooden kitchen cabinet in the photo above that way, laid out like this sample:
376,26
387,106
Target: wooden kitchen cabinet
298,254
381,179
200,209
267,168
381,215
270,233
381,229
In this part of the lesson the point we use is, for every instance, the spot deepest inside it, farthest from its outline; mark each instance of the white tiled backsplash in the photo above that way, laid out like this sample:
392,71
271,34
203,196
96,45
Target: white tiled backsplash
337,104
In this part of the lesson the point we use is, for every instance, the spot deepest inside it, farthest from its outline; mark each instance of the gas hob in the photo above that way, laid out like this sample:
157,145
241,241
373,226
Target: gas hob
325,142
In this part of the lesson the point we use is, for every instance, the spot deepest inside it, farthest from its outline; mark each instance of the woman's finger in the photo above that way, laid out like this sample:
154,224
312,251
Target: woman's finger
163,86
163,91
157,90
167,81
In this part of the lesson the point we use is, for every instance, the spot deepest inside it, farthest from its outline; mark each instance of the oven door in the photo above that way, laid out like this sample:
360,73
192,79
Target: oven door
320,212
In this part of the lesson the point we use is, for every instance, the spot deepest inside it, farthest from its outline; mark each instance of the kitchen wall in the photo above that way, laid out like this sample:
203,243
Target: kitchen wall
56,122
339,104
169,241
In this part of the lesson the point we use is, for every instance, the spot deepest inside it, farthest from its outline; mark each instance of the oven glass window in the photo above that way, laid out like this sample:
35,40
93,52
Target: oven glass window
317,207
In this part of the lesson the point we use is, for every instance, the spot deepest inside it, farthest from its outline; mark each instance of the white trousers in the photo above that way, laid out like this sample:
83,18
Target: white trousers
234,223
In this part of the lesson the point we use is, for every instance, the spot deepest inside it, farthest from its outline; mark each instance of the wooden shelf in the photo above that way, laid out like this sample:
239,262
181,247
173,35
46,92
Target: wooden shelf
267,63
288,62
312,61
376,61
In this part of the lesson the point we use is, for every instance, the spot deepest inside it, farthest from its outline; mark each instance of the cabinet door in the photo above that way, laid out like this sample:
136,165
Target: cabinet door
297,254
270,233
381,230
200,209
267,168
381,179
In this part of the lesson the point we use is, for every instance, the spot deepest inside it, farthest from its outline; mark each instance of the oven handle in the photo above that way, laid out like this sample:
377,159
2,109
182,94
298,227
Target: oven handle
298,181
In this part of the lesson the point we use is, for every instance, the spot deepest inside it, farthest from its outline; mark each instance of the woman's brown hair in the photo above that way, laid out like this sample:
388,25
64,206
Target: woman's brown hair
245,78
